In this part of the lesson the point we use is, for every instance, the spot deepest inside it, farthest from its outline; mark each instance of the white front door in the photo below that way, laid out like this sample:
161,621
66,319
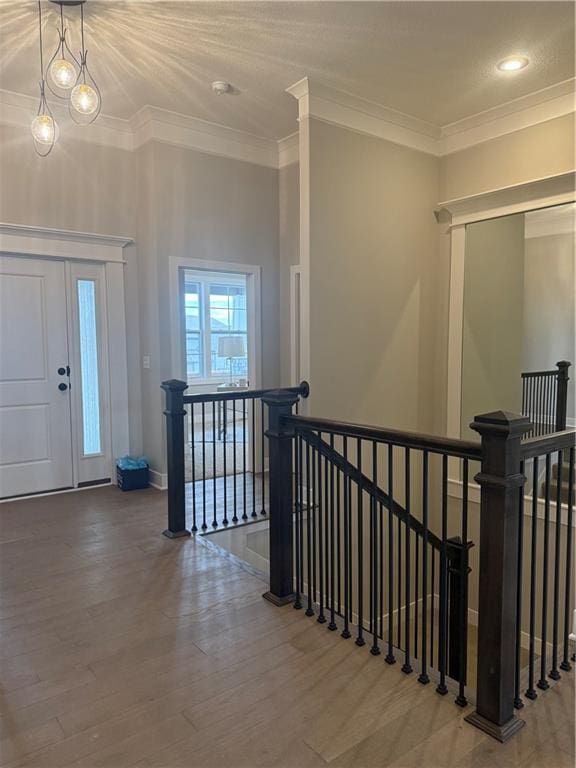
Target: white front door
35,414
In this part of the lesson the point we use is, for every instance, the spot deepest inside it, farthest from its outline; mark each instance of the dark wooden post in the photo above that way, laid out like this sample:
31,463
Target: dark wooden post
175,453
562,394
501,482
280,439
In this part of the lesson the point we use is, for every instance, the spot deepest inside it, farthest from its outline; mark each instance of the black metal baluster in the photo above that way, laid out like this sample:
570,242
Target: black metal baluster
215,435
416,591
565,665
360,551
441,688
543,682
244,494
346,631
298,510
323,523
554,674
253,441
339,512
433,579
374,541
321,616
390,658
350,568
461,699
234,466
423,677
399,571
204,525
407,667
225,479
518,703
312,517
531,691
193,448
309,608
262,457
334,555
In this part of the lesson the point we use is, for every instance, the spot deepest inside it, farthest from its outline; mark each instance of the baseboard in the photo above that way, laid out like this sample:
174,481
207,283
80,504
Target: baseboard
158,480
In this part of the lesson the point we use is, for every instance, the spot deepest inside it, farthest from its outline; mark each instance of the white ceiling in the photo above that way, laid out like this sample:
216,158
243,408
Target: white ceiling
433,60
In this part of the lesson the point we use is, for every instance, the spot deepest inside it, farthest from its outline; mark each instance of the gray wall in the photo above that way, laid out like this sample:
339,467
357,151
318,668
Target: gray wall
373,280
493,319
203,207
550,306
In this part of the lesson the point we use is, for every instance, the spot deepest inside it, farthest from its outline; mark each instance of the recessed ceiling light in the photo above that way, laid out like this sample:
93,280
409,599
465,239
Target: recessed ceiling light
513,63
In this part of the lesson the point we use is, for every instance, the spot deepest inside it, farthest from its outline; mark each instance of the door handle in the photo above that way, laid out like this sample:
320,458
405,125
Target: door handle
62,387
61,371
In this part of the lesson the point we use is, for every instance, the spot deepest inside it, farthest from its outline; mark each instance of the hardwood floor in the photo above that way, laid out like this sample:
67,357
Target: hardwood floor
122,648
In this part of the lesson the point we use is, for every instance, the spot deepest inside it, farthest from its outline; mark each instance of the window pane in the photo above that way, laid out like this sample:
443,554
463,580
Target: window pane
89,366
227,307
192,305
193,353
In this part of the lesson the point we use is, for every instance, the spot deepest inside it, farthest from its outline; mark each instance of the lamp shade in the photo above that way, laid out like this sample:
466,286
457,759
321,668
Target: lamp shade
231,346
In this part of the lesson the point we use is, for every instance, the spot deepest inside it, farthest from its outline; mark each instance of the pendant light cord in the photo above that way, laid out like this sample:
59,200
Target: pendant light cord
62,29
40,36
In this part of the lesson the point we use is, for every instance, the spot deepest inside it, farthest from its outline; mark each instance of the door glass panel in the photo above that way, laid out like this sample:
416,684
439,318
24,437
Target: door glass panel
89,367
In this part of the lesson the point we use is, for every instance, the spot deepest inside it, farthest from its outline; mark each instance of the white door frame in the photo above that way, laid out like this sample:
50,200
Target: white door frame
70,246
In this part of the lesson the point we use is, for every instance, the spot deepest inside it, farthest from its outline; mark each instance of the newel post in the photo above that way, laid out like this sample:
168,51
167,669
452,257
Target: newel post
500,482
562,394
280,438
175,414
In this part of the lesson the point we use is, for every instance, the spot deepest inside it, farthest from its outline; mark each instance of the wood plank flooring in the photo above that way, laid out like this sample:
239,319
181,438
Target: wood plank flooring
119,647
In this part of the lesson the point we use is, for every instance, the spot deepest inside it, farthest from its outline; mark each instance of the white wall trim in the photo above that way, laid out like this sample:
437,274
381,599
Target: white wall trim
21,239
158,480
344,109
519,198
315,100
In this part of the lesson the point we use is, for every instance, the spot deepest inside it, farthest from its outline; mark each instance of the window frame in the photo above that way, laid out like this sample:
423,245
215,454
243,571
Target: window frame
204,279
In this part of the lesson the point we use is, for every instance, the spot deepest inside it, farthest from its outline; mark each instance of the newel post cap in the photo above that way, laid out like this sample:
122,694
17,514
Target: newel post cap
174,385
502,424
280,397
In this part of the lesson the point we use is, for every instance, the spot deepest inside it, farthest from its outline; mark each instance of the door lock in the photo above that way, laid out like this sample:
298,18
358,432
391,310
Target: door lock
62,387
61,371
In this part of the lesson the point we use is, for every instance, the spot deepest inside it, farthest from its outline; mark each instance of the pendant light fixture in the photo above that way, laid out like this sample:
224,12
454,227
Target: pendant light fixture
85,99
63,67
44,128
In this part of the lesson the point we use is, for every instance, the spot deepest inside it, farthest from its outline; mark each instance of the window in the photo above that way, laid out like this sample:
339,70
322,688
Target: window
89,367
215,324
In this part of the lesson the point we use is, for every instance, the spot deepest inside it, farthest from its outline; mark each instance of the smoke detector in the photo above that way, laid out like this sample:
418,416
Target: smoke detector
220,87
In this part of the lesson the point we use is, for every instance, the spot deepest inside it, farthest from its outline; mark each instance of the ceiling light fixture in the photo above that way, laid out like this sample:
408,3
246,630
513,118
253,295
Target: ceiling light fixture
85,100
44,128
61,72
513,63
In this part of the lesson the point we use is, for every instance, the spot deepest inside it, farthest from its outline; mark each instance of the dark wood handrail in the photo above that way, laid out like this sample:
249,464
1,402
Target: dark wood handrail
539,446
303,390
367,485
461,449
529,374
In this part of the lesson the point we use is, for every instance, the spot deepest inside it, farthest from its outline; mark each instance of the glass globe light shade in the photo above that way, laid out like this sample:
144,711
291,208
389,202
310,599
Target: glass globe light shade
84,99
43,129
62,73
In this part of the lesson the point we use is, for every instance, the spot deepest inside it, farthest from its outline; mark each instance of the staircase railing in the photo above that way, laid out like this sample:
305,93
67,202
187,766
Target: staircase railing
216,456
365,536
545,398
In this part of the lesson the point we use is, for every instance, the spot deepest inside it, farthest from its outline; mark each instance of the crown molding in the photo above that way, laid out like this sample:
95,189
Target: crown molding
348,111
544,192
536,107
288,150
357,114
314,100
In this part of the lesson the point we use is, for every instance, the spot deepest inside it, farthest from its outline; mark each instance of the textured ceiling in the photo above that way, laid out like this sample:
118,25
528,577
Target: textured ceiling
433,60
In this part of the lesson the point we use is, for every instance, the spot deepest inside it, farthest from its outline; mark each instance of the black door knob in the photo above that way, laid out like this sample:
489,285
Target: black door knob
61,371
62,387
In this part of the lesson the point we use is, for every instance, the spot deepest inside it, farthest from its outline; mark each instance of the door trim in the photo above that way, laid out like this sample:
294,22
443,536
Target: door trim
70,246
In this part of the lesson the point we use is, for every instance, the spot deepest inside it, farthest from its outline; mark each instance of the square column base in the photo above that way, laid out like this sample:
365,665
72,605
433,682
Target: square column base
175,534
279,600
500,732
